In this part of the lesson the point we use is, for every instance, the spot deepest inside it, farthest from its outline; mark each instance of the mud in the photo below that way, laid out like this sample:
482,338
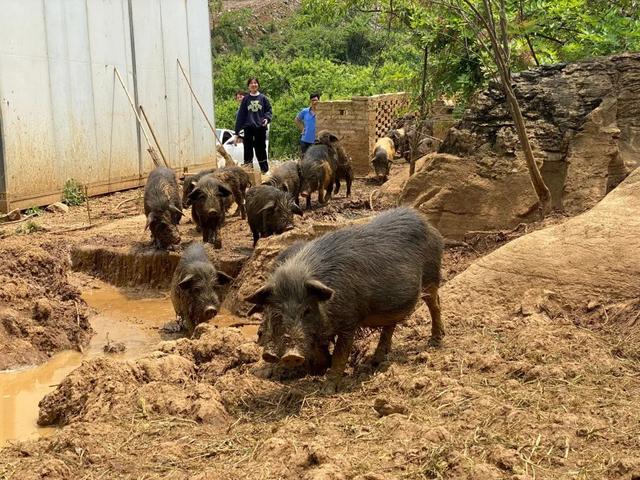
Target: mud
127,317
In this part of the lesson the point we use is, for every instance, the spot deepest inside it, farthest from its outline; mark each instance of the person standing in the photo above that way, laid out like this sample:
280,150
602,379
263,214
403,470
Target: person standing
306,122
254,115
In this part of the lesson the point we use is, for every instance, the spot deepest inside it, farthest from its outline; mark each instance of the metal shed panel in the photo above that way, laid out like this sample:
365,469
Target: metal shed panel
26,102
65,115
179,100
200,72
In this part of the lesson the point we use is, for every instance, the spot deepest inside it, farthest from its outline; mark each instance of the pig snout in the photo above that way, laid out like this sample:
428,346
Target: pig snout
210,312
293,358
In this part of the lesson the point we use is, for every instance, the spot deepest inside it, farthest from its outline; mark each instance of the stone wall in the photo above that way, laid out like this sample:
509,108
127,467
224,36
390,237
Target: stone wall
359,122
583,121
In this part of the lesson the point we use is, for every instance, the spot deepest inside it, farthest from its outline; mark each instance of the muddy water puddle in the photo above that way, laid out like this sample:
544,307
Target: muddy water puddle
130,317
126,317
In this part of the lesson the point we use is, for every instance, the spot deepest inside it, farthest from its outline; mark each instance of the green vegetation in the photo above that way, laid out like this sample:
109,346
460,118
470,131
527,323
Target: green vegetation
344,47
28,228
35,211
73,193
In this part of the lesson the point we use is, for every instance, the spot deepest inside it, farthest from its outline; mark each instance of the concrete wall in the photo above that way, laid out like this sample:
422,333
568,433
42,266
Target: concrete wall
359,122
63,113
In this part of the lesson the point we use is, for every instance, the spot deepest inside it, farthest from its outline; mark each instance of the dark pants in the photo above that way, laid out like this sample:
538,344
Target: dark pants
304,146
256,138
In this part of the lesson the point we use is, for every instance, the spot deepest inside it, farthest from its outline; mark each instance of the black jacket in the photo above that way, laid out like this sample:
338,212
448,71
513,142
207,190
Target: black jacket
253,110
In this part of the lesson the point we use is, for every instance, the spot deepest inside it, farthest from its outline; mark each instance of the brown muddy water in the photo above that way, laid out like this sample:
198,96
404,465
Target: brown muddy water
130,317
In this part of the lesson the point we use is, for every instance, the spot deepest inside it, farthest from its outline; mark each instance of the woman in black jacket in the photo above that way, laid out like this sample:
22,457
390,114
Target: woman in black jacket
253,117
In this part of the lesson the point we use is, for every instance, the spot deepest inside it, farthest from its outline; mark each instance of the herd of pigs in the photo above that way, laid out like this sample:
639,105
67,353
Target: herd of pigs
321,292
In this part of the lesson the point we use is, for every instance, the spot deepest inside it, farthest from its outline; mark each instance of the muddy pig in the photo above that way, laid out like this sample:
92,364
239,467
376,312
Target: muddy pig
360,276
238,181
162,207
207,208
317,173
193,287
270,211
189,182
234,177
383,153
342,167
286,177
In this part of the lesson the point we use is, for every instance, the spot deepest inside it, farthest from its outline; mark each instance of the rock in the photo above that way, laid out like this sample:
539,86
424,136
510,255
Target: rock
57,207
592,305
114,347
12,216
384,407
580,118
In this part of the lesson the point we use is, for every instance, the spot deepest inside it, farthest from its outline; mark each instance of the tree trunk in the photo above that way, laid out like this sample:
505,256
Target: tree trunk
413,146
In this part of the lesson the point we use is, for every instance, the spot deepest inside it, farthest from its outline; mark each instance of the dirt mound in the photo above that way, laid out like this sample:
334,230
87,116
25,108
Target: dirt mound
176,380
40,312
582,122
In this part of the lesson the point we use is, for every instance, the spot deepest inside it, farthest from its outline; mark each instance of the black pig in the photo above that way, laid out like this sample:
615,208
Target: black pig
162,207
360,276
286,177
269,211
342,167
207,208
317,173
193,287
190,182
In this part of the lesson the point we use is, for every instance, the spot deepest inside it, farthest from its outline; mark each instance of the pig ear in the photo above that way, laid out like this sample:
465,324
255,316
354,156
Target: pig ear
254,309
261,296
223,278
296,209
319,290
186,281
223,191
175,209
267,206
333,138
195,193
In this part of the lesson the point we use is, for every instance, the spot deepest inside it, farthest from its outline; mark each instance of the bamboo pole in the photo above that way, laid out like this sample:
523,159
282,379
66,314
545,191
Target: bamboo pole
150,149
153,134
228,161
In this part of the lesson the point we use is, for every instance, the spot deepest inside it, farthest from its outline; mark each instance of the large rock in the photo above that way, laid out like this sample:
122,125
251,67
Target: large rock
583,120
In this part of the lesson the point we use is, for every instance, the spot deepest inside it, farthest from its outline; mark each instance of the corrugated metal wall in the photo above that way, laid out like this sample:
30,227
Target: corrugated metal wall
63,113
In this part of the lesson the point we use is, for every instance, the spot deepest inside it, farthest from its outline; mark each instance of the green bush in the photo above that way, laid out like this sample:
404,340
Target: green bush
73,193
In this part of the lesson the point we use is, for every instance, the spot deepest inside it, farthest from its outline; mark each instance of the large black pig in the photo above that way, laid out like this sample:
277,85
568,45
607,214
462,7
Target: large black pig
193,287
207,208
286,177
269,211
162,207
360,276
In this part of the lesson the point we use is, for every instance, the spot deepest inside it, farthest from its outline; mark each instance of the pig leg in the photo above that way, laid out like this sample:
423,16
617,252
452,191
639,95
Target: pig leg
337,189
320,193
338,361
384,345
349,180
308,202
240,211
431,298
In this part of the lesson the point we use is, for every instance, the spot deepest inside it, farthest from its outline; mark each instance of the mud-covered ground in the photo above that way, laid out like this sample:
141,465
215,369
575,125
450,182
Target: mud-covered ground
540,386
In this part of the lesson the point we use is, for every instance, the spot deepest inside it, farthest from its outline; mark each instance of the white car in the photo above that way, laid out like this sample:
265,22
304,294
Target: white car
237,151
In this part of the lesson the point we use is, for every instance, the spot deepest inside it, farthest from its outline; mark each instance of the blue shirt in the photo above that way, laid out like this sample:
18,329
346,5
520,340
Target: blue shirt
309,119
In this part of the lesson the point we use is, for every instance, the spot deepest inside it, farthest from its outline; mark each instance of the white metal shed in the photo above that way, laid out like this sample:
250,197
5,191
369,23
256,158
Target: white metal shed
63,113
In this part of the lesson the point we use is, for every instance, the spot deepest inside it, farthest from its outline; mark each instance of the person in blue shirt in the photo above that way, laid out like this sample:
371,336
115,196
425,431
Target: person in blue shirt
253,117
306,122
